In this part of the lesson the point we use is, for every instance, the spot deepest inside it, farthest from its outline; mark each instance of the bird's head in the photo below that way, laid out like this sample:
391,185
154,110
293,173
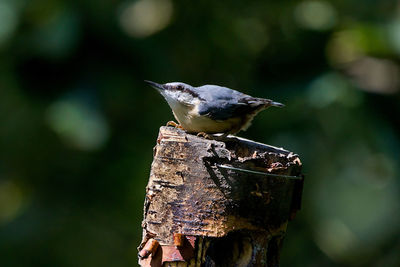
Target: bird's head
176,92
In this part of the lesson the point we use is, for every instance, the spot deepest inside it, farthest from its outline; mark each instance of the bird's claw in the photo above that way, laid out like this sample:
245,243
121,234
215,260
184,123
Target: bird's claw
204,135
222,137
174,124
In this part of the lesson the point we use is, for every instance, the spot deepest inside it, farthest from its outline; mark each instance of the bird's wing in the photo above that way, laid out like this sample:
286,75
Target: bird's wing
223,109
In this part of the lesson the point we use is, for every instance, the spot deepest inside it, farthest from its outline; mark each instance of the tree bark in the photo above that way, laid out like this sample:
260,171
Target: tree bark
217,203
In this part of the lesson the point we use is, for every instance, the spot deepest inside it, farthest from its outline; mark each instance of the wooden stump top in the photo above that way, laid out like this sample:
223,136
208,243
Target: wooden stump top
209,188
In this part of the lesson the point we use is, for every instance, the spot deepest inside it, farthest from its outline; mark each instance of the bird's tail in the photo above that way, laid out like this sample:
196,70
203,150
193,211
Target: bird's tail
277,104
262,102
268,102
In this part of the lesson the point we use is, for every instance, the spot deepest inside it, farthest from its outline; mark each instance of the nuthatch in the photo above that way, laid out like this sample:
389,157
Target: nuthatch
211,109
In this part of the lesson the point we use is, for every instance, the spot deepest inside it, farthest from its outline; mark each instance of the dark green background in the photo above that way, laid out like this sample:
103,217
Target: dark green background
77,122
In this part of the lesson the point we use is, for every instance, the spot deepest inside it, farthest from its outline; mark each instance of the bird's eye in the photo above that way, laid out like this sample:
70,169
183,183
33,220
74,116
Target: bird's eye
179,87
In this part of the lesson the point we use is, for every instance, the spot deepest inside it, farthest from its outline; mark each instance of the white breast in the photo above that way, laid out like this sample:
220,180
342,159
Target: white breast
193,122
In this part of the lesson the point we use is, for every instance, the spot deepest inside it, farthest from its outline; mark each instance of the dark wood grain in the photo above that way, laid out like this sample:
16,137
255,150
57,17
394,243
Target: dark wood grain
221,197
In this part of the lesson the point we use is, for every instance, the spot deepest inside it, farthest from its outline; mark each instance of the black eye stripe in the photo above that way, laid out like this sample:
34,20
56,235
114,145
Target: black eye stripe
186,90
177,87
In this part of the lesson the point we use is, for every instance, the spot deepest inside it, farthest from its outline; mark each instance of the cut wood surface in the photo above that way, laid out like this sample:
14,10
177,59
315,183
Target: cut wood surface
218,203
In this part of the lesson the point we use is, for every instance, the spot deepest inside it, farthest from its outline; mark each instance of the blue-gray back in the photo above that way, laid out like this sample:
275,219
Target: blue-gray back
221,103
218,93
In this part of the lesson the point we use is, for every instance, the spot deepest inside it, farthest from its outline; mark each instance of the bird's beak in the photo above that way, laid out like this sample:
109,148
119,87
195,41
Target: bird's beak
155,85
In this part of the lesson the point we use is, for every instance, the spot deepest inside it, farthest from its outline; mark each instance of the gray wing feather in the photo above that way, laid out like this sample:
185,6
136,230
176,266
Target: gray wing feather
223,111
221,103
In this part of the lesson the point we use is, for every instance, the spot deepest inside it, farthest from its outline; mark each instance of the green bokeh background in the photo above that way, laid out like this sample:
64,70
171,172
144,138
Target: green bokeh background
77,122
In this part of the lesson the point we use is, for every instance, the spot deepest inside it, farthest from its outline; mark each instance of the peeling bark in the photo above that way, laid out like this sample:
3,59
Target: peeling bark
218,203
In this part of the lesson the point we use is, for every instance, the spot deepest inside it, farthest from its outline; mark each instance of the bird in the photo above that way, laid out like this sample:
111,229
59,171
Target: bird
211,109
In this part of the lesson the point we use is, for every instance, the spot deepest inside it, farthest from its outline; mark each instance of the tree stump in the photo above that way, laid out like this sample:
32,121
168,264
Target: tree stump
217,203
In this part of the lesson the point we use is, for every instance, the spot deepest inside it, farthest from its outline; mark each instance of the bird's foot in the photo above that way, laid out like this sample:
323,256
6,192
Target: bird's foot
174,124
212,136
204,135
223,137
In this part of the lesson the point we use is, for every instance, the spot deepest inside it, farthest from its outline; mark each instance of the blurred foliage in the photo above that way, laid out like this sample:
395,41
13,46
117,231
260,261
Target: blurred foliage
77,123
